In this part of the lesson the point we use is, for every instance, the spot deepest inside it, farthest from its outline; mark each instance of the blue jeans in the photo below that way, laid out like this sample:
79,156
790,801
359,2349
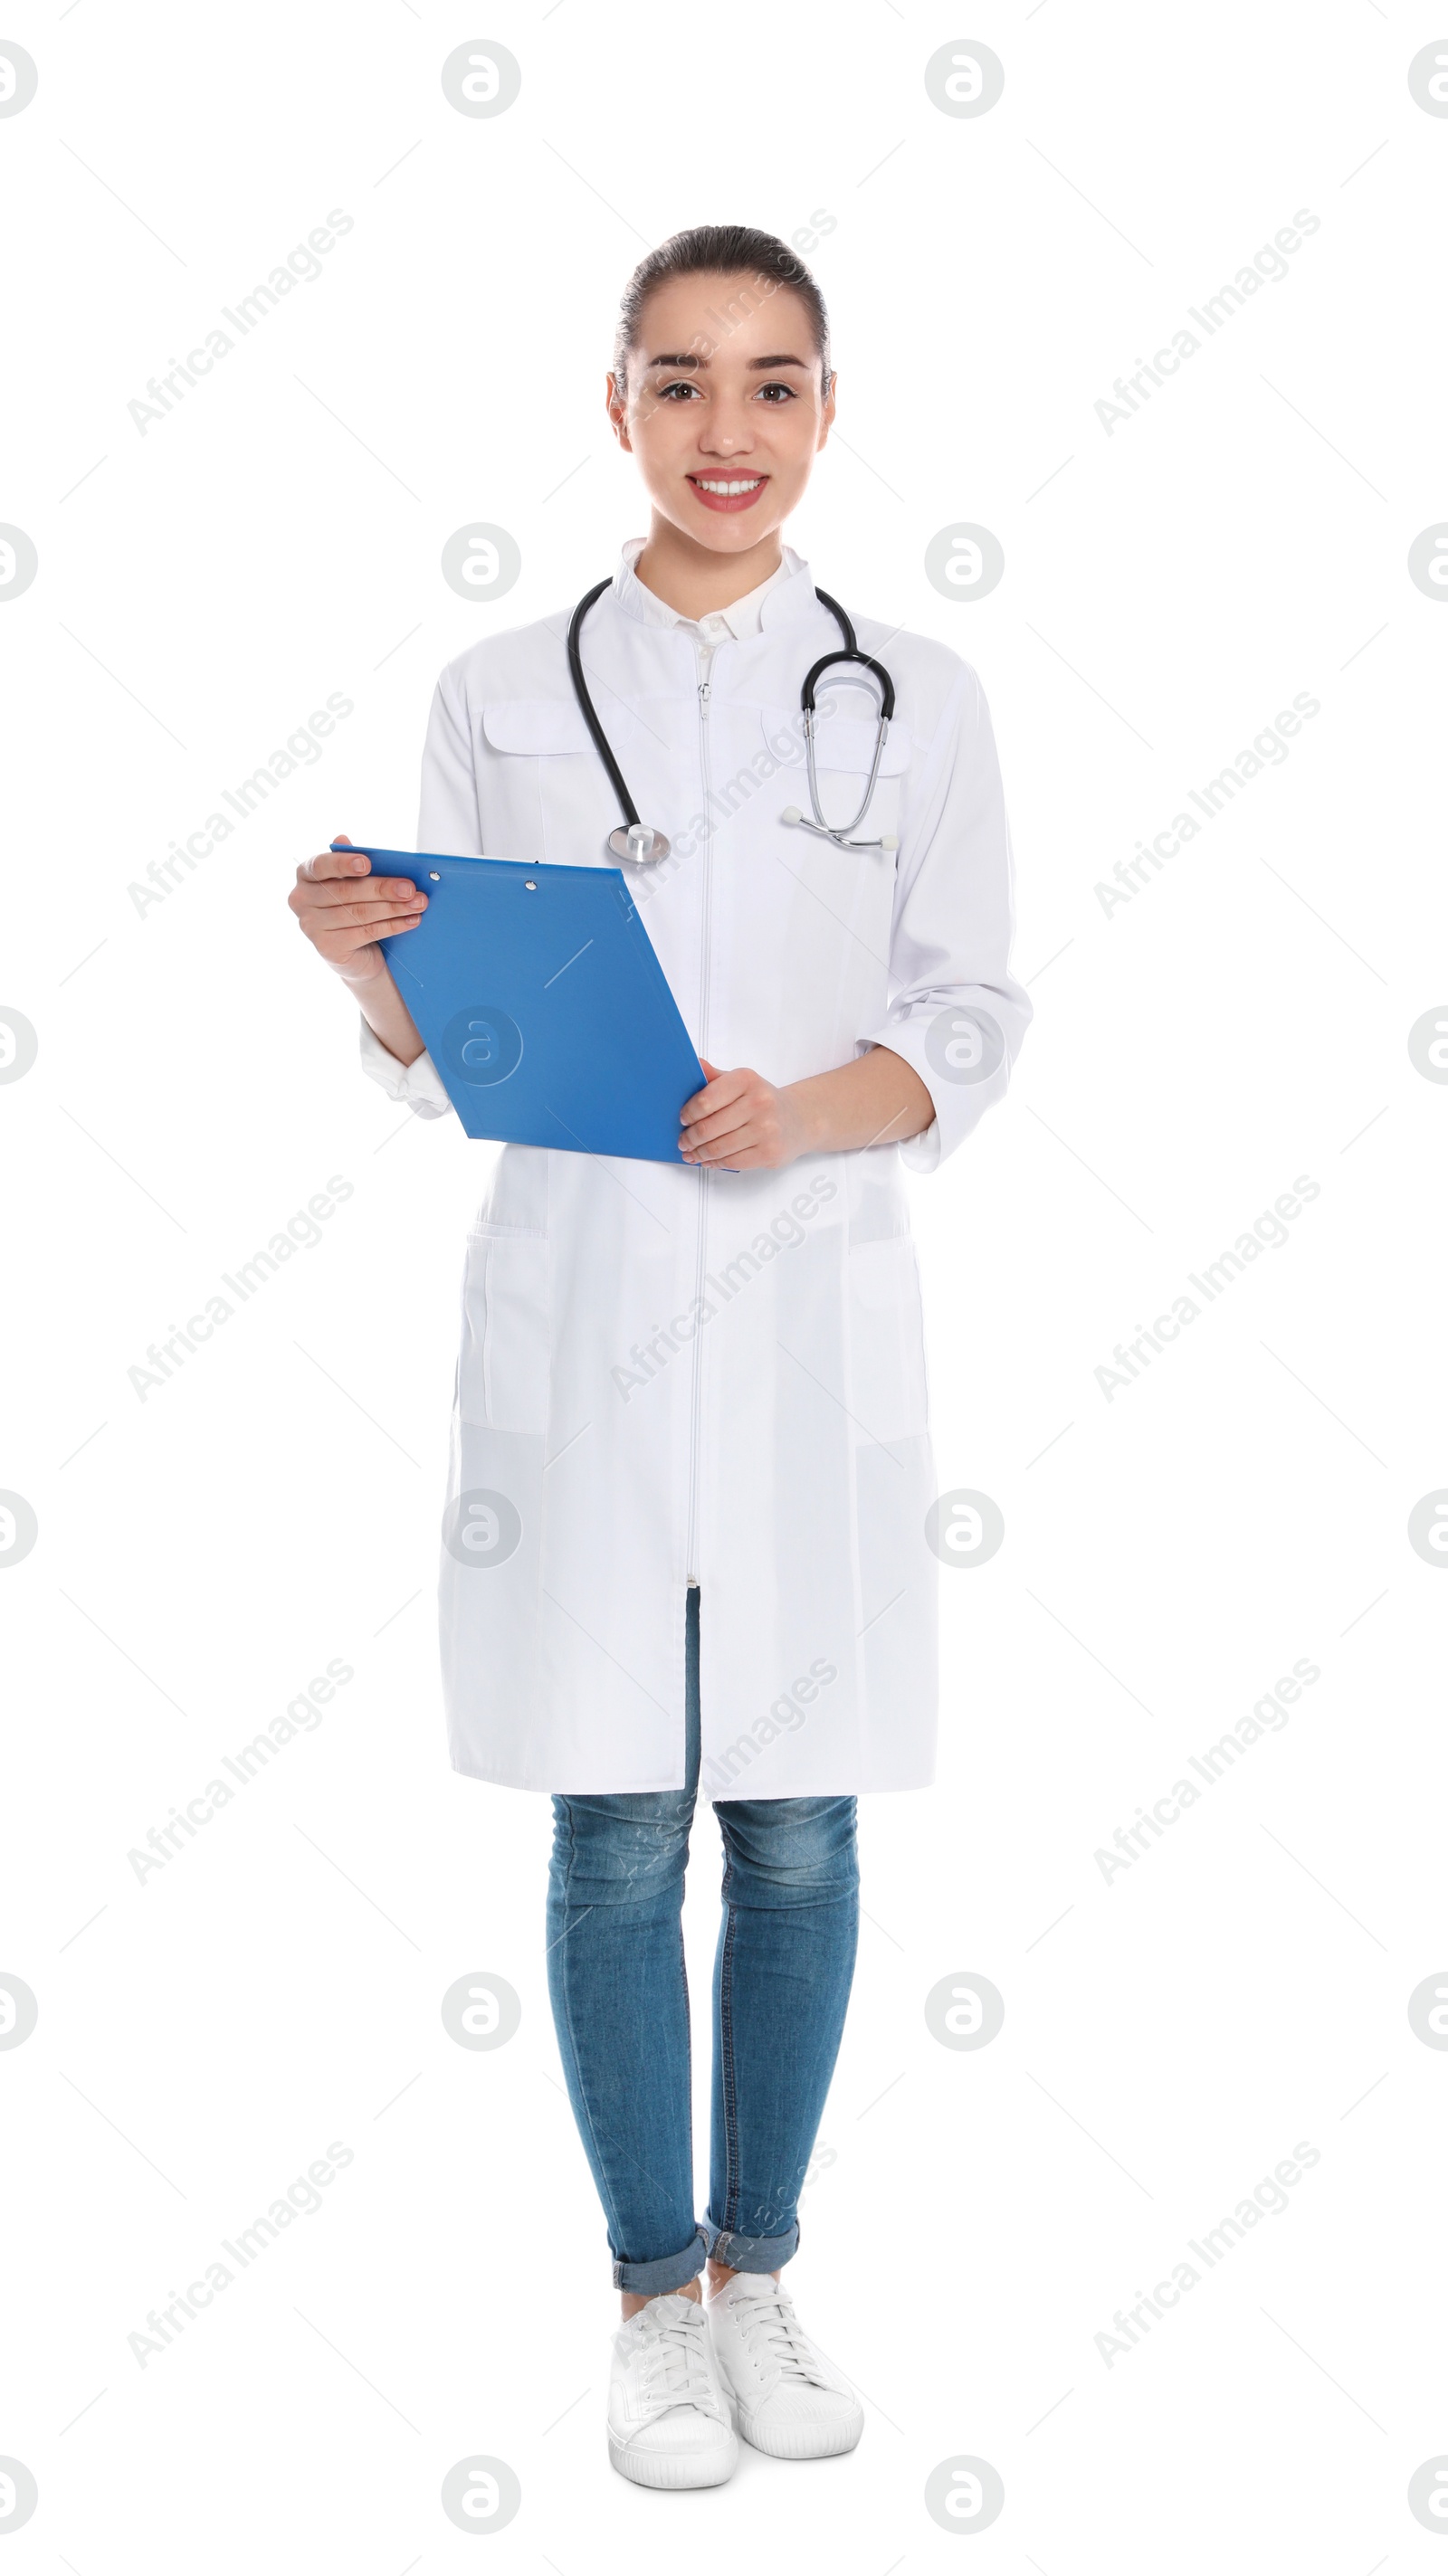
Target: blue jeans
782,1973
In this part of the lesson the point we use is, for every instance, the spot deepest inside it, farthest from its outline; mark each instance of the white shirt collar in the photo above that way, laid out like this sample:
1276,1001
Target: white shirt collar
741,617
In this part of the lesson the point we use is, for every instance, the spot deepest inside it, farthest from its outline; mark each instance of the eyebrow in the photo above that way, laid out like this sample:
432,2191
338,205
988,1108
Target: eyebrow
690,358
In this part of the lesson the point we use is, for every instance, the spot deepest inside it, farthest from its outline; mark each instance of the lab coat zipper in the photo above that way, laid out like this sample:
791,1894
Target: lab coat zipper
696,1389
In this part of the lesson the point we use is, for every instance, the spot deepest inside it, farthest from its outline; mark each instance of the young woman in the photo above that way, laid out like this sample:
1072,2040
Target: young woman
691,1472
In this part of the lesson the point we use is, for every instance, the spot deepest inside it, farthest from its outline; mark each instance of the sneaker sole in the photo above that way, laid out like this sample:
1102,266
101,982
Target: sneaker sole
805,2441
673,2469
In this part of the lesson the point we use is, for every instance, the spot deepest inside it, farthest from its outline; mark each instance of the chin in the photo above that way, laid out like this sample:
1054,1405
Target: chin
729,536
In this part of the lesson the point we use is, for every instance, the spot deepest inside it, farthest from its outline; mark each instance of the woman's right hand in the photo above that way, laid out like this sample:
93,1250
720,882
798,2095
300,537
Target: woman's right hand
344,919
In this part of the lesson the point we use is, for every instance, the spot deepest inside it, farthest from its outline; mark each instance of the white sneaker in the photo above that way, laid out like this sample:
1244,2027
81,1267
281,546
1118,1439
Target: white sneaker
791,2401
668,2416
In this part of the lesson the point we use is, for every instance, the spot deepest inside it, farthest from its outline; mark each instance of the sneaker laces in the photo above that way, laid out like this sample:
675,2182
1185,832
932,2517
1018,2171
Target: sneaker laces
773,2333
676,2361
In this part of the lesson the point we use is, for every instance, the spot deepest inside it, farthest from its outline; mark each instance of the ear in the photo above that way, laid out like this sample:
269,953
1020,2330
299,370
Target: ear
617,404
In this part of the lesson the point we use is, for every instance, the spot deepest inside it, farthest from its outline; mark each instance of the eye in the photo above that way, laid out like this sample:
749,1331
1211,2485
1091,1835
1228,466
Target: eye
681,385
788,392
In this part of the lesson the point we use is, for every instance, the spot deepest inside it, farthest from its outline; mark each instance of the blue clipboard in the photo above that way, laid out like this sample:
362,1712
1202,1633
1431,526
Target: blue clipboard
540,999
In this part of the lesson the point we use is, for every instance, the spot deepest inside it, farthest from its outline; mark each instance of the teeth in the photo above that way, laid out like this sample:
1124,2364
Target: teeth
729,489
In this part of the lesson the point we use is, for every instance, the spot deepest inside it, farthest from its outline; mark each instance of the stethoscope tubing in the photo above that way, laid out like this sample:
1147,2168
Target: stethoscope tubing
836,832
589,711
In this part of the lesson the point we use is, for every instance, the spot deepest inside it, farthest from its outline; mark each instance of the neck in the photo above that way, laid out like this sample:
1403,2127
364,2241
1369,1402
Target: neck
694,580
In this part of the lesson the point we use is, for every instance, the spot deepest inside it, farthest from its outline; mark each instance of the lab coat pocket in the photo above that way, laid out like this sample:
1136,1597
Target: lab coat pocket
535,725
543,791
503,1365
533,752
844,752
888,1394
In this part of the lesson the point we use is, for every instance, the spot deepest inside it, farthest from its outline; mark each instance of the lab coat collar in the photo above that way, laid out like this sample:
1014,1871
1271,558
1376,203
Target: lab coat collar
789,600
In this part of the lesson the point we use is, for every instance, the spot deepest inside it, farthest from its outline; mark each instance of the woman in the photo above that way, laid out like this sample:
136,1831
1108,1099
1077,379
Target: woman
709,1378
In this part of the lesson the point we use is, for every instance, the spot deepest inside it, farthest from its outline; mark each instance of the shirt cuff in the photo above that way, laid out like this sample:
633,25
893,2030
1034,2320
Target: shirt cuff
418,1083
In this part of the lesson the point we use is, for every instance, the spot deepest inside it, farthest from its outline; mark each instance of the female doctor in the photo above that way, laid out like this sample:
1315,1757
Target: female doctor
690,1475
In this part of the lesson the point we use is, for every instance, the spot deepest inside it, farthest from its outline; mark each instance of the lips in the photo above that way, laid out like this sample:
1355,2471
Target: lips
731,492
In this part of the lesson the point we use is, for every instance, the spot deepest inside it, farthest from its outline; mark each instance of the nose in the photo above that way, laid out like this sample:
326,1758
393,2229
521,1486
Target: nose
730,431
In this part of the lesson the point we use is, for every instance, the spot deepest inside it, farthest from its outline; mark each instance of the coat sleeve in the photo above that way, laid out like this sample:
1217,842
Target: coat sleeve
447,820
955,1015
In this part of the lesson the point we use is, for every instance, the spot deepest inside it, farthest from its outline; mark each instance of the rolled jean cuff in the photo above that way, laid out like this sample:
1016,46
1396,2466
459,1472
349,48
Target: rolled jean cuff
750,2253
669,2272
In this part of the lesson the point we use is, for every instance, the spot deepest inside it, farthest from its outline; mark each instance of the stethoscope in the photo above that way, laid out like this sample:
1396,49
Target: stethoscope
638,841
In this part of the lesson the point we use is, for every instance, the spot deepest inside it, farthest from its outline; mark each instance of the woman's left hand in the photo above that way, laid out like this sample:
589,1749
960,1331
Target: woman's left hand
742,1121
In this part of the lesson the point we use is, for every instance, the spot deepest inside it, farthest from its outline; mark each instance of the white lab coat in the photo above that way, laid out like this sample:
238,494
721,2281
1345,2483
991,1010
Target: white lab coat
672,1374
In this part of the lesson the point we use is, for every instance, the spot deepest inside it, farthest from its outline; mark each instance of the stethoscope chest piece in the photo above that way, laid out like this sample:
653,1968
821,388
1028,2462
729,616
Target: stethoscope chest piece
637,842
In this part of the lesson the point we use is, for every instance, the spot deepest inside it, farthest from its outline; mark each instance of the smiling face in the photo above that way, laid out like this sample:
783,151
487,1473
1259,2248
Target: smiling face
724,408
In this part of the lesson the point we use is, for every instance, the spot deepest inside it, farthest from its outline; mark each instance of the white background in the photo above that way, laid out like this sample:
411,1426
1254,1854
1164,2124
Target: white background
1169,2036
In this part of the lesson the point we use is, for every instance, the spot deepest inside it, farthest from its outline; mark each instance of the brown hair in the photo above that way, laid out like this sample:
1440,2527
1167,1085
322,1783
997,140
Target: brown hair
721,250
